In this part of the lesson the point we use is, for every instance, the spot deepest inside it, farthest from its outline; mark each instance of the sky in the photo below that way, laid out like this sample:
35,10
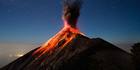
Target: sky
26,24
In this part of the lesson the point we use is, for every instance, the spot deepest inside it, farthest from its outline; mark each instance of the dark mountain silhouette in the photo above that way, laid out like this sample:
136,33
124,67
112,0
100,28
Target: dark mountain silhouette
136,55
81,53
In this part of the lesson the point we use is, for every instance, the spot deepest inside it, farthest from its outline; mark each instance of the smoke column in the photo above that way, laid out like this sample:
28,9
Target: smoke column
71,12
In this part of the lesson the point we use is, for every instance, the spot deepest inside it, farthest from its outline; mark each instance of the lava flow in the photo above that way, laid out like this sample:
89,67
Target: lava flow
67,33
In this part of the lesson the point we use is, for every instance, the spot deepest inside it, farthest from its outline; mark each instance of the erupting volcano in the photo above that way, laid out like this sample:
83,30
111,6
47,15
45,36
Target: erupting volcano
69,49
71,11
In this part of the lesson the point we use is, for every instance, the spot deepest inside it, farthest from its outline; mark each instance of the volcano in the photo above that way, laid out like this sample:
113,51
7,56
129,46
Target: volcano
70,49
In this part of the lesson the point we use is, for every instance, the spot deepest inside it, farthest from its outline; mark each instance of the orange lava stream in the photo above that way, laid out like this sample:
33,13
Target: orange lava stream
67,33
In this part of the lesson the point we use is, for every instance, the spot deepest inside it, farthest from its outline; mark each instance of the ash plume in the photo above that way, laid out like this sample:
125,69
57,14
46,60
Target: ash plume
71,11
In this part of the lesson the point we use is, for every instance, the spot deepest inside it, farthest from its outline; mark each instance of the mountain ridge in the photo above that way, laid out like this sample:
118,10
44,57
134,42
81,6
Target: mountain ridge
82,53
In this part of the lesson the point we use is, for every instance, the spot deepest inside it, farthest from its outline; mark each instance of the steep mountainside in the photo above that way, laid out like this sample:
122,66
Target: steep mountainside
81,53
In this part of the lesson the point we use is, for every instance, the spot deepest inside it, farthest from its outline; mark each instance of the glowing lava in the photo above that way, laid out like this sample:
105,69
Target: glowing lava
67,33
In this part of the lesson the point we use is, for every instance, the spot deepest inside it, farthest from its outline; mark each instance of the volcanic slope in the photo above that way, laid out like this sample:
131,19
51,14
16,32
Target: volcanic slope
78,53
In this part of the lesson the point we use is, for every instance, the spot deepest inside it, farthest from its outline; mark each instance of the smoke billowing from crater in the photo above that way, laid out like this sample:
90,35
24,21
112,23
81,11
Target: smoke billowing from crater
71,11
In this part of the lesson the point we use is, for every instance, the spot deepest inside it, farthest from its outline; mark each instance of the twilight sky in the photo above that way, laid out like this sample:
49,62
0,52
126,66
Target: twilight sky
25,24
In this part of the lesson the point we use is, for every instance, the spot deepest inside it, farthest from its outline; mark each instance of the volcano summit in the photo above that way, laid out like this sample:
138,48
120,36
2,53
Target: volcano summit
69,49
